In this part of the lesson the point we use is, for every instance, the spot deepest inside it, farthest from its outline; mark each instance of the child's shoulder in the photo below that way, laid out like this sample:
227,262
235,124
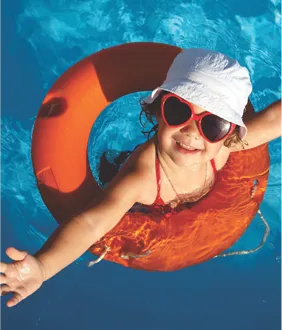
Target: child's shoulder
142,161
146,155
142,158
134,181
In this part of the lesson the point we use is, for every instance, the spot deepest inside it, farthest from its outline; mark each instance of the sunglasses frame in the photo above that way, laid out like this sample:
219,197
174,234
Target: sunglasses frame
194,116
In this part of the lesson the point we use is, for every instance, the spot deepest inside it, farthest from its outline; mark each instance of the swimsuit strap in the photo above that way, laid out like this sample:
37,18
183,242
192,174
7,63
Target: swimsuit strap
214,169
158,199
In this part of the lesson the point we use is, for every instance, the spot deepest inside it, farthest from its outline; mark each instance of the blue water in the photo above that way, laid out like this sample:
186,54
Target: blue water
40,40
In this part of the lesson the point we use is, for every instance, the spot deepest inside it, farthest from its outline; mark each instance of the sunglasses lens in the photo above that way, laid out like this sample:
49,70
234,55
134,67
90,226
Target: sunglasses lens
215,128
176,112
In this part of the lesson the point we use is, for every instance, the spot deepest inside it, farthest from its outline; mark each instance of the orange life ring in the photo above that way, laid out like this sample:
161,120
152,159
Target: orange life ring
139,240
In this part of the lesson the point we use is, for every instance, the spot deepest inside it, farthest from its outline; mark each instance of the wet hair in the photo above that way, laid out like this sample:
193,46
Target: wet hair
151,110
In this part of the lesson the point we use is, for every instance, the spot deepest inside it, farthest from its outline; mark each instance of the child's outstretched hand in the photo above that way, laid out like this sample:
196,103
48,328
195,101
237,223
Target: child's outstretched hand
22,277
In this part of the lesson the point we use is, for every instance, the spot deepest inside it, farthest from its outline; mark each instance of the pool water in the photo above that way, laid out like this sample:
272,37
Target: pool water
42,39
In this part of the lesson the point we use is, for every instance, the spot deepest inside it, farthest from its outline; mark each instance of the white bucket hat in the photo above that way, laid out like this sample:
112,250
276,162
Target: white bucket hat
211,80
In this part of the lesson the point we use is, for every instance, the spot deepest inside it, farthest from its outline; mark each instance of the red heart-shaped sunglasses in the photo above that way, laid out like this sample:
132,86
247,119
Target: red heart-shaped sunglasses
177,112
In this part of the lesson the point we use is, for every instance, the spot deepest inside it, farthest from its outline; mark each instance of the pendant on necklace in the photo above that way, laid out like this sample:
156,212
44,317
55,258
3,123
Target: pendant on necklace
173,204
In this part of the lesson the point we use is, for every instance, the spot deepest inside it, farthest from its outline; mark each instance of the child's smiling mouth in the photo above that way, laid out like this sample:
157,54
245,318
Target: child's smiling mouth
185,148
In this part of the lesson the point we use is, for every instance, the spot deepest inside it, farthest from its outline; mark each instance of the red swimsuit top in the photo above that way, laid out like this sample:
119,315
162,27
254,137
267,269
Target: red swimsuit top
159,205
158,200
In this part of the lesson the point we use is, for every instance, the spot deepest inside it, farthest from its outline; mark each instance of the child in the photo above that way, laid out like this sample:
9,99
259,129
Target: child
199,110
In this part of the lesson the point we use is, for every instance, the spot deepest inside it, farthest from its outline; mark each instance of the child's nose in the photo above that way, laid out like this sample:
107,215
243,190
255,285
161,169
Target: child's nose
191,129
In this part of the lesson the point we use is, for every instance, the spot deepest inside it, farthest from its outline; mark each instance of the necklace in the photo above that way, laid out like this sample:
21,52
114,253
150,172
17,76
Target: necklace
180,199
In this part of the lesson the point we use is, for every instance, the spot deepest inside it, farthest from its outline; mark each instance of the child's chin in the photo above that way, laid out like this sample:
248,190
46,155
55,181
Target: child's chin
185,160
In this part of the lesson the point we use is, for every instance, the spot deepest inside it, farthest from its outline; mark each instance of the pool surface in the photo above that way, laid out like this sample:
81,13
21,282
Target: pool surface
42,39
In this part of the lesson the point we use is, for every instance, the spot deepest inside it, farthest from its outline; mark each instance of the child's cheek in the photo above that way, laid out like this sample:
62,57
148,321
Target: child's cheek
213,149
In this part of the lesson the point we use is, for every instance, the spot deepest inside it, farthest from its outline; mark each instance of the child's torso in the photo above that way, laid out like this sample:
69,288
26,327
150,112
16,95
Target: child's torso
158,189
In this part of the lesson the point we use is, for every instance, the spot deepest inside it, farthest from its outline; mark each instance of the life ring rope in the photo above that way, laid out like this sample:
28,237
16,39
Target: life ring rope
93,262
242,252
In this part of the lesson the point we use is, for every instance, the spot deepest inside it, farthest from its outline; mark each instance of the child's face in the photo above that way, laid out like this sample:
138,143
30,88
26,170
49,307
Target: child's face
172,141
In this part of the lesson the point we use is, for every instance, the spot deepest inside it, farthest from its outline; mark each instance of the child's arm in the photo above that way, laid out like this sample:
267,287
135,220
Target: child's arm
264,126
72,239
69,241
